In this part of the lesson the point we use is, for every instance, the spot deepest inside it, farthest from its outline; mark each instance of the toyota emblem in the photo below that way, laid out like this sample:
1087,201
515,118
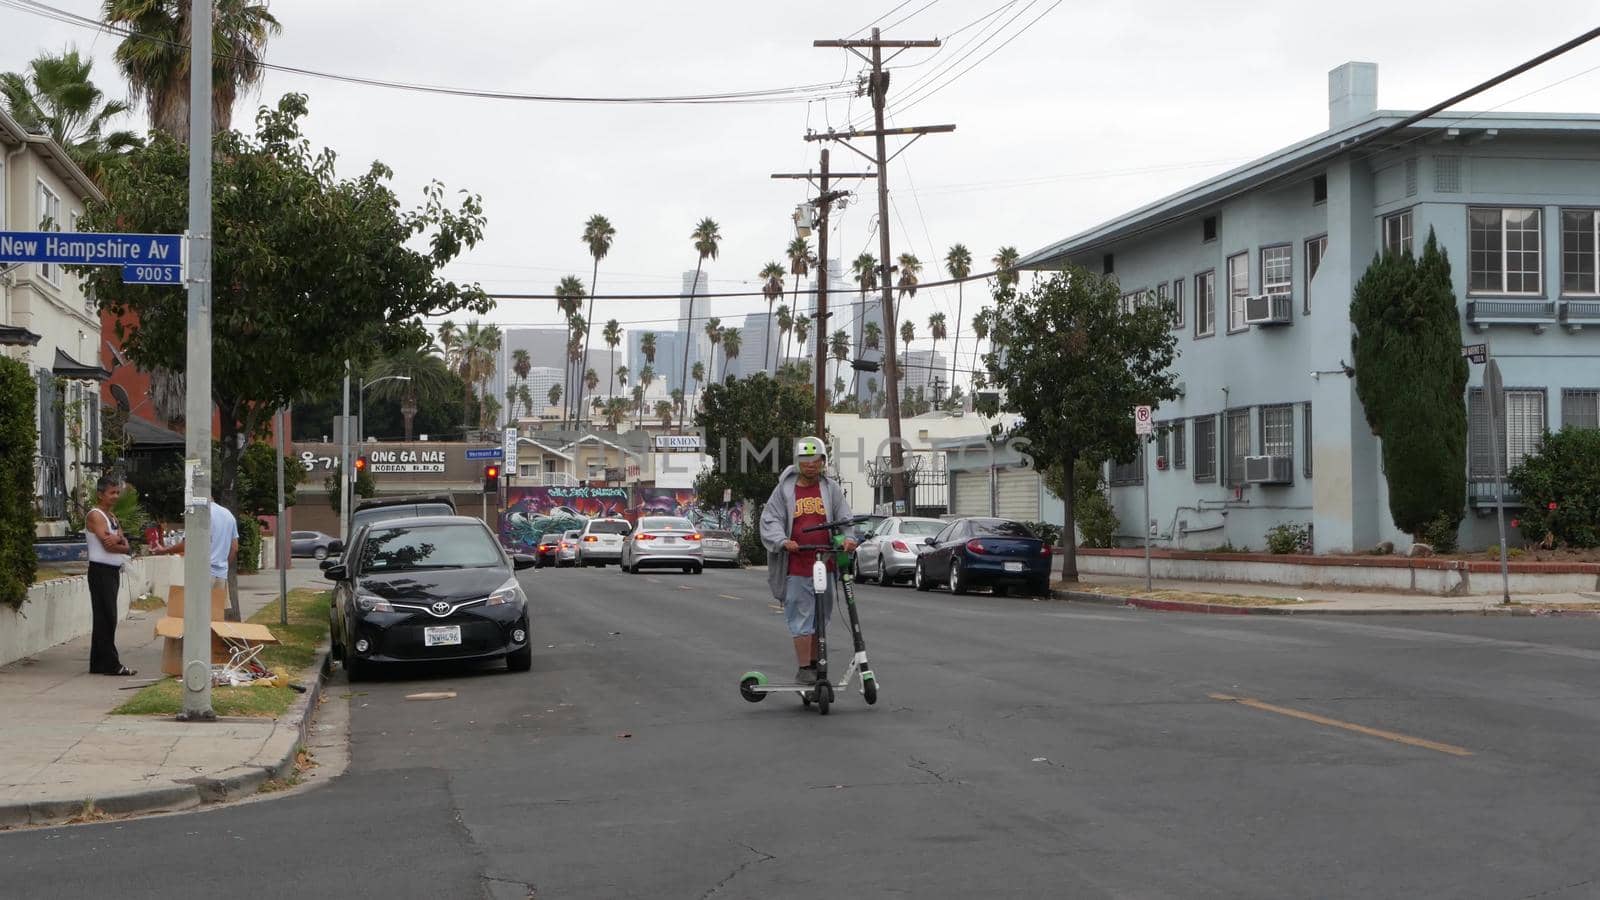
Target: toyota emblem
441,608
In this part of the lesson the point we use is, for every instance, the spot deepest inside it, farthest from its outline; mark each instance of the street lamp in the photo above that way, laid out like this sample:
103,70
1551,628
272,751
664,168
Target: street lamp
361,403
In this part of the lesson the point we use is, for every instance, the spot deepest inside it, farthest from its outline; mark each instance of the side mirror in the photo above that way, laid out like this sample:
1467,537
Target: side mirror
336,572
520,561
932,542
335,547
325,563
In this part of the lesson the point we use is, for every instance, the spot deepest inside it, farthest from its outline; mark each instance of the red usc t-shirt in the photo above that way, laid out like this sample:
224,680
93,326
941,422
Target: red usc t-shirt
808,513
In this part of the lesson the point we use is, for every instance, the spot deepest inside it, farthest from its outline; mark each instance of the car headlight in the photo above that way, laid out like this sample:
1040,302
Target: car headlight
369,603
510,592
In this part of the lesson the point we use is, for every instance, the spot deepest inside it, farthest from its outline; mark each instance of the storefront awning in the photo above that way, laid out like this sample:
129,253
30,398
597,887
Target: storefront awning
17,336
67,367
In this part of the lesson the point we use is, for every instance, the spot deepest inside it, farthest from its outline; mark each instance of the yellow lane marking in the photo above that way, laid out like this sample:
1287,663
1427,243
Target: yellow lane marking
1398,738
729,597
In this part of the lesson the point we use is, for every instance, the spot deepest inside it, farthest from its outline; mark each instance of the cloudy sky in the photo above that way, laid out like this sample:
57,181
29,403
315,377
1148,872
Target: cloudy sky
1089,110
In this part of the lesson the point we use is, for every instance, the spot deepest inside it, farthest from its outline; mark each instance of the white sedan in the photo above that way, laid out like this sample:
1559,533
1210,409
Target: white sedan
889,554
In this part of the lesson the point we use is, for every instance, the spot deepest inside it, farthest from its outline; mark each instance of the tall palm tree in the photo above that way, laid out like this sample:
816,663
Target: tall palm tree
555,394
616,411
575,329
801,261
865,269
839,344
958,262
525,396
785,325
980,331
1005,261
638,403
936,328
706,236
613,336
647,346
430,381
664,409
699,374
714,335
522,364
56,96
802,331
908,333
597,234
155,56
591,380
569,299
872,335
677,404
910,268
771,288
732,342
511,402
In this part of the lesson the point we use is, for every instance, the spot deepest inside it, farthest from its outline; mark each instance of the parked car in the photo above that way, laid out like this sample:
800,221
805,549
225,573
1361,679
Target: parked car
890,552
865,525
379,509
601,541
426,589
977,552
545,553
567,550
314,544
664,542
720,547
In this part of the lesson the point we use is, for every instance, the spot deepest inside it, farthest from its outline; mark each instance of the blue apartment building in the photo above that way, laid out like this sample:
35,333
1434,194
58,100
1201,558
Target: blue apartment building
1258,265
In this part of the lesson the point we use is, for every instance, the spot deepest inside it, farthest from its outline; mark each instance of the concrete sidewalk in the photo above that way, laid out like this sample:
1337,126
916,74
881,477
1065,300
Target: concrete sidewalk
1238,598
60,747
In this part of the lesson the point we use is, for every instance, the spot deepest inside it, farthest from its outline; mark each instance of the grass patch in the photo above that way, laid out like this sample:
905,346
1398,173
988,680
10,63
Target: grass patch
147,603
1576,605
1188,596
307,628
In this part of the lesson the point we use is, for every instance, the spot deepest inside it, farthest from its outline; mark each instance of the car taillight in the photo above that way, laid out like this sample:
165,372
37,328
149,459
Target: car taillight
590,539
644,537
1045,550
695,536
900,546
976,546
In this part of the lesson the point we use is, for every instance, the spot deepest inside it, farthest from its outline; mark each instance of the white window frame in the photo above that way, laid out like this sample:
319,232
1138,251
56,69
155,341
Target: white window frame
1504,253
1232,438
1277,276
1205,303
1177,304
1526,418
49,203
1573,407
1593,252
1238,290
1277,430
1316,252
1180,450
1205,451
1401,239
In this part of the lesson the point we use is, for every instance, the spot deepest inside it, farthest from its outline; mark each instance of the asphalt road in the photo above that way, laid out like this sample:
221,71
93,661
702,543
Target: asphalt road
1019,748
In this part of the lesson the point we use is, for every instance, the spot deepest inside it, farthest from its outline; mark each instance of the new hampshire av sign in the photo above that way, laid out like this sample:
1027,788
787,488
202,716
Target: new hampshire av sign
144,258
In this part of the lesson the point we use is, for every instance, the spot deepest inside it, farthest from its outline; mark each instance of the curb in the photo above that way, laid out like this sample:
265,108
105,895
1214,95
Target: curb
1185,606
241,781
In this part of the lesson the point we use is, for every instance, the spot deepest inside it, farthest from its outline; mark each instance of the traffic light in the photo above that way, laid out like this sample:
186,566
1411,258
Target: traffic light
491,478
361,466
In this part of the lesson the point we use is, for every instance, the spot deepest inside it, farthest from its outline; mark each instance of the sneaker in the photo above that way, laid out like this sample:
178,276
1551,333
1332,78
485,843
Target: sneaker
806,675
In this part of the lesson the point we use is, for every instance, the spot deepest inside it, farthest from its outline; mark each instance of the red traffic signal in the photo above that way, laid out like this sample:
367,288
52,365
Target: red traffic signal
361,464
491,471
491,478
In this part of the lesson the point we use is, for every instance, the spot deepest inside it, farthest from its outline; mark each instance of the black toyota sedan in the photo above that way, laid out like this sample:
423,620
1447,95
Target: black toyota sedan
980,552
428,589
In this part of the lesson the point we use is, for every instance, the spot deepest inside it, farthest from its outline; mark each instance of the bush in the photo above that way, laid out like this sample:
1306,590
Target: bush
751,549
1044,531
1441,533
18,439
1289,538
249,544
1091,508
1560,489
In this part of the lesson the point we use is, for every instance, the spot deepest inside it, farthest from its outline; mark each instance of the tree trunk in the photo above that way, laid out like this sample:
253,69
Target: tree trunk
766,341
688,341
1069,532
955,348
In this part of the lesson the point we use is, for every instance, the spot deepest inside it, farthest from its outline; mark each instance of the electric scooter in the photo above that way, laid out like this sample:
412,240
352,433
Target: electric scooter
754,687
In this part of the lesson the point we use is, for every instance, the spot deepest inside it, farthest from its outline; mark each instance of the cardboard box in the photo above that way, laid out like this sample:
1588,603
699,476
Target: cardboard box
219,602
171,629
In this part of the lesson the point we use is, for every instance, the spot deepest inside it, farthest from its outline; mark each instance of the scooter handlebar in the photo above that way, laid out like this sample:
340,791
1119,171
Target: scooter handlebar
839,523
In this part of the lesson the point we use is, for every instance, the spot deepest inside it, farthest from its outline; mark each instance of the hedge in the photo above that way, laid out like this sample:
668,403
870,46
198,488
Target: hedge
18,445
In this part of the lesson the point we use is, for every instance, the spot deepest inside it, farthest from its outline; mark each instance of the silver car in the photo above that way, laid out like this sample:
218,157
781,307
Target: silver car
601,541
720,547
663,542
889,554
567,551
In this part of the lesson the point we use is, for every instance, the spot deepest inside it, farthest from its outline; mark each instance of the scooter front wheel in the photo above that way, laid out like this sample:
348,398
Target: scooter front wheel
824,698
869,689
749,681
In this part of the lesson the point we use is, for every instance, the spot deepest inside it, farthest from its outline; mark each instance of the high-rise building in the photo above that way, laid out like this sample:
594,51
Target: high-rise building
668,364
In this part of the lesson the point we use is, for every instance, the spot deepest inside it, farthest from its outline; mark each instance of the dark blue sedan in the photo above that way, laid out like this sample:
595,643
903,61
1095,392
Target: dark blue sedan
982,552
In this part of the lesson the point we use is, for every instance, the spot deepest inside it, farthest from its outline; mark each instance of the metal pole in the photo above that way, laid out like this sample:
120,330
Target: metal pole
1144,475
361,410
347,475
891,374
1493,386
197,404
822,303
282,532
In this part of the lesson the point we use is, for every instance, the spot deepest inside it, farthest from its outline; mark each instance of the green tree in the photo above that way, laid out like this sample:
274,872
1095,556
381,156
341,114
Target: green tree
1412,381
569,299
865,268
647,346
785,325
155,56
801,262
331,276
428,384
364,486
707,237
771,276
598,234
1560,489
665,408
1005,263
555,394
1075,367
839,345
910,272
256,490
19,398
56,96
980,333
732,343
872,335
936,329
958,262
714,335
767,414
613,336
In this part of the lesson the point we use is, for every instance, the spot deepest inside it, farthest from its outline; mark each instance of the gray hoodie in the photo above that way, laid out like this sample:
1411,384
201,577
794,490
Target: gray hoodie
777,522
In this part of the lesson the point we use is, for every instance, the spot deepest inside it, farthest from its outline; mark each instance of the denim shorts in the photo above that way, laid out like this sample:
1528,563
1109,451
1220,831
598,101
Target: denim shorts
800,605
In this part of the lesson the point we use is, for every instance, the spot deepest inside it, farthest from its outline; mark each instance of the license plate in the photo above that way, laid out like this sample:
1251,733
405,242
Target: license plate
670,540
441,635
1013,567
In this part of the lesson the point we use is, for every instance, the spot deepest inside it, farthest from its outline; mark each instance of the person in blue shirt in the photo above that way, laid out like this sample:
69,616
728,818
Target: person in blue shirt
224,544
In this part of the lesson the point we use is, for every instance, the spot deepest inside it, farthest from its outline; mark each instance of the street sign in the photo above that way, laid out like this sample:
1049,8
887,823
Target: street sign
152,274
1142,423
90,249
1495,389
485,453
511,450
1478,353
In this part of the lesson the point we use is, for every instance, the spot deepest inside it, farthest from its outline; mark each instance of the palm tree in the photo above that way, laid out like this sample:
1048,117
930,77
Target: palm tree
430,381
677,404
664,409
638,403
522,364
872,395
591,379
865,268
526,397
1005,262
575,331
511,402
732,341
958,262
800,262
714,335
155,56
613,336
840,346
477,348
802,331
771,288
597,234
647,346
555,394
838,388
56,97
910,268
937,330
872,335
699,373
908,333
706,236
569,299
980,331
785,325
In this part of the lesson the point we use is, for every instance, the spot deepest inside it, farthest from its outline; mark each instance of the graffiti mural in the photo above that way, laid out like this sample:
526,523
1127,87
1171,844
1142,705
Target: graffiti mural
686,503
532,512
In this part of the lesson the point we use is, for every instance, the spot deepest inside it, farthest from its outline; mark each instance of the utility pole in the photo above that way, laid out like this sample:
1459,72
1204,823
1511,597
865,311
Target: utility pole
279,531
878,89
197,402
823,203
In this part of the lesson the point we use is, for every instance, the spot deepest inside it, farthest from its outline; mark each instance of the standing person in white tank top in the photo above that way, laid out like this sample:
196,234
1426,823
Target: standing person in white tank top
108,553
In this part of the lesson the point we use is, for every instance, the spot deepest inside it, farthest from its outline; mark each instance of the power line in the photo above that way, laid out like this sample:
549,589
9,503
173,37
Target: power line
701,296
795,93
908,17
980,60
977,43
935,54
896,8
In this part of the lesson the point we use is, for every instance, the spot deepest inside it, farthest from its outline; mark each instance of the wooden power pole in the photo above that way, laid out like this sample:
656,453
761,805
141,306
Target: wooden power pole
878,89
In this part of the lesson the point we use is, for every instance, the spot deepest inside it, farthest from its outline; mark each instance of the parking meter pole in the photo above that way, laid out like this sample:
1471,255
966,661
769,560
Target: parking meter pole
1493,390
